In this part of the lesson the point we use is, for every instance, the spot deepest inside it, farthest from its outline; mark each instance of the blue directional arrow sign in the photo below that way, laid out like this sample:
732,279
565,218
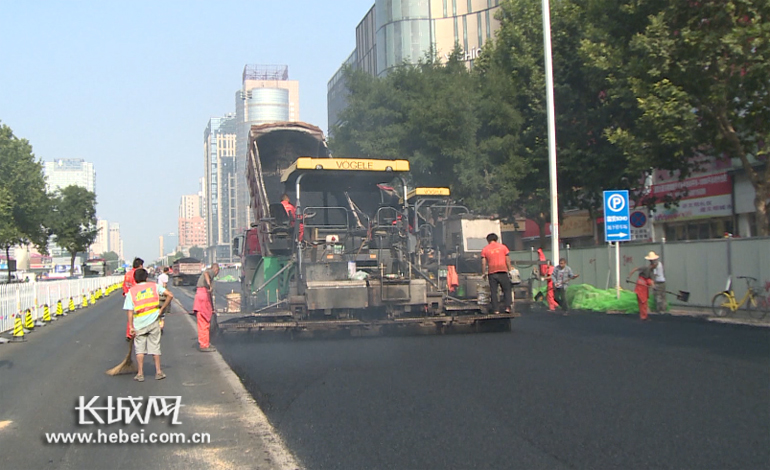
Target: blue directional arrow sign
617,226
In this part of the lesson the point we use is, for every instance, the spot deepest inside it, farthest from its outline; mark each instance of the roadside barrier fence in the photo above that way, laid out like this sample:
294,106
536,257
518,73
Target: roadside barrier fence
47,299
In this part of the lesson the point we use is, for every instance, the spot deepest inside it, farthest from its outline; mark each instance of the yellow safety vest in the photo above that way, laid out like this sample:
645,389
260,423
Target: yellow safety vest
145,298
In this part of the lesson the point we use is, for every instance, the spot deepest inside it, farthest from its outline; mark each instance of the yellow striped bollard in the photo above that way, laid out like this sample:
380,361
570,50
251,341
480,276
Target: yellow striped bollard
18,328
59,309
28,323
71,306
46,313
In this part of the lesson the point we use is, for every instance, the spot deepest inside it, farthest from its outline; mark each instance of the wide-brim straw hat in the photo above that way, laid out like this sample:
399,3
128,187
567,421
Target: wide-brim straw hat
651,256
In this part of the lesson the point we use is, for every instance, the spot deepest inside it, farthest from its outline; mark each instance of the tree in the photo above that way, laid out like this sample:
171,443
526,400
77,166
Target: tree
110,256
702,81
197,252
24,203
74,220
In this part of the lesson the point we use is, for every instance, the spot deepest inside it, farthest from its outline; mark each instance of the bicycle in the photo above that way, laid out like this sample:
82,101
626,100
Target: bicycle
725,302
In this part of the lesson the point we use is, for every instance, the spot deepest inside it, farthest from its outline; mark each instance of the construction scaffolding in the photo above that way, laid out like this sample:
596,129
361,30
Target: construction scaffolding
265,72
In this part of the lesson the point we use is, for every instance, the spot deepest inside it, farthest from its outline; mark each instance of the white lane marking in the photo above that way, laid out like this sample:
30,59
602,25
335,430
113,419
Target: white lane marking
252,413
5,424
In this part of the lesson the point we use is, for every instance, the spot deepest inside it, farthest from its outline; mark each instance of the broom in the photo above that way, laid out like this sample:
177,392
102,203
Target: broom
127,366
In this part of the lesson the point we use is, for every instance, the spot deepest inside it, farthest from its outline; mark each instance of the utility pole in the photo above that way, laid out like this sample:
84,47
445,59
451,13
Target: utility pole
551,131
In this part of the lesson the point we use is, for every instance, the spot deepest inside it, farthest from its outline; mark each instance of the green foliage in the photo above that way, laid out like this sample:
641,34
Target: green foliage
638,84
693,76
74,220
197,252
23,200
24,203
110,256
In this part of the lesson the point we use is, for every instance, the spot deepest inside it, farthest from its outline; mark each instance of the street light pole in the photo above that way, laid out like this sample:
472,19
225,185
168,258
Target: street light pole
551,131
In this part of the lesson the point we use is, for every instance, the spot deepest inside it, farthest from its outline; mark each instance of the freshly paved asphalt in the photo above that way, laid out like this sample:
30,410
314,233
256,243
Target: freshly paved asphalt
588,391
41,380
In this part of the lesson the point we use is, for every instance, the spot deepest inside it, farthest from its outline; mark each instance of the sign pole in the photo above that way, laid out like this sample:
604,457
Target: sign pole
617,269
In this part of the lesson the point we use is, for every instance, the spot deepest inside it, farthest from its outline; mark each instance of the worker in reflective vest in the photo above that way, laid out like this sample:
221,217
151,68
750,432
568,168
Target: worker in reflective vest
128,282
144,310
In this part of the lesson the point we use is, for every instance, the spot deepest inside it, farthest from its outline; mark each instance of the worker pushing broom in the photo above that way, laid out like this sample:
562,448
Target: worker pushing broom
127,366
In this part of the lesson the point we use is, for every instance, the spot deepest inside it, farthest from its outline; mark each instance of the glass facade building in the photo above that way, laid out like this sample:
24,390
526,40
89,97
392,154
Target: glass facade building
266,95
219,173
395,32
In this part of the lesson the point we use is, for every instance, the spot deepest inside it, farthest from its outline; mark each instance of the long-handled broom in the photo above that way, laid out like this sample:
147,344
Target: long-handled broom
127,366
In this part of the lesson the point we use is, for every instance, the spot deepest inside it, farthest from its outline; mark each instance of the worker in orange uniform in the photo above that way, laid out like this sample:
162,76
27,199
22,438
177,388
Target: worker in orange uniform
203,307
495,266
128,283
549,295
643,284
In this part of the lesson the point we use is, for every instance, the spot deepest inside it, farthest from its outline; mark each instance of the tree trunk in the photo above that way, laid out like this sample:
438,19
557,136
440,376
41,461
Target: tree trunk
760,182
760,203
8,262
72,263
541,229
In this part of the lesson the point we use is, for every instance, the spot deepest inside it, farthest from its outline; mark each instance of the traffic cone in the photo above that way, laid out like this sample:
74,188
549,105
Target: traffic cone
18,329
71,306
92,300
46,313
28,323
85,302
59,309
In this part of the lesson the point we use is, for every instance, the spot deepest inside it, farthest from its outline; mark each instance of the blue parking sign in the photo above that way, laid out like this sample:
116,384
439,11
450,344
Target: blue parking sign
617,226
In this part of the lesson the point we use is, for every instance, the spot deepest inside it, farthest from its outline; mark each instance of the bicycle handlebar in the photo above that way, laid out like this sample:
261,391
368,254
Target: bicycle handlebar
747,277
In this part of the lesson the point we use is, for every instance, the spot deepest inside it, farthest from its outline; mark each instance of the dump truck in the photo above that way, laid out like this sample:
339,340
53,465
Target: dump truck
351,259
185,271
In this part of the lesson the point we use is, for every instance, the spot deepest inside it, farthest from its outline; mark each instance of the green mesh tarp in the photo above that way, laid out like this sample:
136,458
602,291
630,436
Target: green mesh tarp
588,297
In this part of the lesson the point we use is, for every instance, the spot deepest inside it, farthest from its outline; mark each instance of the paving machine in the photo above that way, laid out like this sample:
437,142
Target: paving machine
361,255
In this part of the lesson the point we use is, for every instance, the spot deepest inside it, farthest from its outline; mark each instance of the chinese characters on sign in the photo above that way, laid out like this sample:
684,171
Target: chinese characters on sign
127,409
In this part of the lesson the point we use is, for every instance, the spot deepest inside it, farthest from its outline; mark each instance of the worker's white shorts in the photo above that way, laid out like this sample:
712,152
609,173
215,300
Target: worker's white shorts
147,340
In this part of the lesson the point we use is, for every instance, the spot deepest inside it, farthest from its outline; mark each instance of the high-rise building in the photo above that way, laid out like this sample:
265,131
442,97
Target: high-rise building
394,32
70,172
115,240
266,95
192,228
102,243
168,243
219,206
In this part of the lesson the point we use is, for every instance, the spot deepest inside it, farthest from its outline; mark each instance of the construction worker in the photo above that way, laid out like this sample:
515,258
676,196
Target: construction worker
128,282
163,282
144,310
495,266
549,295
204,308
290,209
643,284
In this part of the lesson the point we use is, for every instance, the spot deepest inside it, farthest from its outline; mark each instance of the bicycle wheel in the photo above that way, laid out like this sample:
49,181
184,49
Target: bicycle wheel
761,308
720,304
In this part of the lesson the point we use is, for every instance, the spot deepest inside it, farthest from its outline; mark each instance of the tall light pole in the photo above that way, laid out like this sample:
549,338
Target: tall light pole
551,131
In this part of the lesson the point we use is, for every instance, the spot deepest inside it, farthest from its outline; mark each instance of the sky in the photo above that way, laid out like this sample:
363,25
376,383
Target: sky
130,86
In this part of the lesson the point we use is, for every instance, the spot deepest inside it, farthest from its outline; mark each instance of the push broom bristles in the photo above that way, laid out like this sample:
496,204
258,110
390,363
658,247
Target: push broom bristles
127,366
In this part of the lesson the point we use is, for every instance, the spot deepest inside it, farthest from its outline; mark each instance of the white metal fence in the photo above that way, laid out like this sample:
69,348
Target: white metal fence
18,297
699,267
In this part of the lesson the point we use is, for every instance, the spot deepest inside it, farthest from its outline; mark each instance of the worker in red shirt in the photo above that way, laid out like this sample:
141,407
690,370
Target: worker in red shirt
495,266
292,212
289,208
128,283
